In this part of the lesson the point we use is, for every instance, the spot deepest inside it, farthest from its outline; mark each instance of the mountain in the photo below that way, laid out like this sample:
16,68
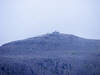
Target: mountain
51,54
51,42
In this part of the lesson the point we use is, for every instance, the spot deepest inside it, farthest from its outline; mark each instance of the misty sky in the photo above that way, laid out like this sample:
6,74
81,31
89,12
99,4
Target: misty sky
20,19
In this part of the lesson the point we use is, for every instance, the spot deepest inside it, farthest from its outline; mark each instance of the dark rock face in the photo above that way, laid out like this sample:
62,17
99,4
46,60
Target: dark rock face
51,54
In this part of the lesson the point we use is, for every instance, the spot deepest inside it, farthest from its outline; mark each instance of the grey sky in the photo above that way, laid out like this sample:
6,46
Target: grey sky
21,19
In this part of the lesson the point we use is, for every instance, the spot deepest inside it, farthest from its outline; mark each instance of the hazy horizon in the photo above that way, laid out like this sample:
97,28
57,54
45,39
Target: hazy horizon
22,19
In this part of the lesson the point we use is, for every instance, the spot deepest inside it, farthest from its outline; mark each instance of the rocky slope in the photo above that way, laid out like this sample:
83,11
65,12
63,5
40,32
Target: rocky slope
51,54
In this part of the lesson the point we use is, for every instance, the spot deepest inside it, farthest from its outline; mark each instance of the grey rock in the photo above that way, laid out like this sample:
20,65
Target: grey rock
51,54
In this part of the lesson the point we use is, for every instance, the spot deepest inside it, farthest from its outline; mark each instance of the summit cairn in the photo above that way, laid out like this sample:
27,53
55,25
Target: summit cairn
55,33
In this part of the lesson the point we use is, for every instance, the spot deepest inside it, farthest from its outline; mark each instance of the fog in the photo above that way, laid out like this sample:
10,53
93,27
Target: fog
20,19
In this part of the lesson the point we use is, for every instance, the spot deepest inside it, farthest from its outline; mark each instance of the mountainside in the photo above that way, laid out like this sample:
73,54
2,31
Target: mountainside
51,42
51,54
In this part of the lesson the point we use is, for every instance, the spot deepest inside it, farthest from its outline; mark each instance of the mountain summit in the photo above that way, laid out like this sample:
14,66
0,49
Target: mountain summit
51,54
51,42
